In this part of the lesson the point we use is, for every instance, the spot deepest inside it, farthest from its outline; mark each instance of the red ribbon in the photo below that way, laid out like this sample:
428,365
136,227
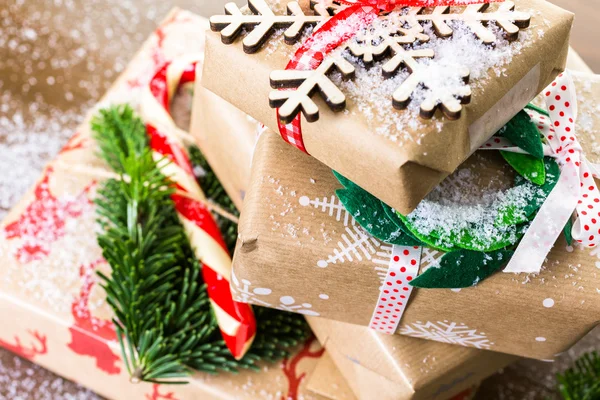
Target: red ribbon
338,30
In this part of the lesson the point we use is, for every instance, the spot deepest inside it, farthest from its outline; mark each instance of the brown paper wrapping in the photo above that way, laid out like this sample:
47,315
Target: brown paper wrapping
374,366
378,366
49,257
347,142
227,136
324,378
292,221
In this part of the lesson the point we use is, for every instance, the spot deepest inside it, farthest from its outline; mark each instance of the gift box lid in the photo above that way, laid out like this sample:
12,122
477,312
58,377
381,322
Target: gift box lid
370,139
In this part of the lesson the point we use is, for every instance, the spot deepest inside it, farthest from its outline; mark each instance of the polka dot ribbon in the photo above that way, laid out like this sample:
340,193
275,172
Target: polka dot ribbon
576,189
236,320
396,289
342,27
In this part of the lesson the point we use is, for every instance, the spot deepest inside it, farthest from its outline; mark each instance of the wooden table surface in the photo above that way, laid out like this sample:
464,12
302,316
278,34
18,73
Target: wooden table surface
20,379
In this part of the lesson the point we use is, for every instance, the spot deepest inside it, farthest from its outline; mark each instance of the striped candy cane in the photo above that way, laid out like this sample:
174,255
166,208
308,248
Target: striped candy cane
236,320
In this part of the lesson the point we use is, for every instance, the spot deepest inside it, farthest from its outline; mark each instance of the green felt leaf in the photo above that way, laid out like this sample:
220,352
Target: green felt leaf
431,241
523,133
462,269
568,232
368,211
389,211
527,166
513,215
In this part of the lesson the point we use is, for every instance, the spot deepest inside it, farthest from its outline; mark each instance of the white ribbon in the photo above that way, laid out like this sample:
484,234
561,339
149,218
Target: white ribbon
575,190
396,289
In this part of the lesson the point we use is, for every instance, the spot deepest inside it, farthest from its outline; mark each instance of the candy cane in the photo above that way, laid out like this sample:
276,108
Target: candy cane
236,320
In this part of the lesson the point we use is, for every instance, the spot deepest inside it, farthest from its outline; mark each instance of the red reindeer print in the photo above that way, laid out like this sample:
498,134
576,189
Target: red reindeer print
90,335
75,143
43,222
289,367
157,395
28,352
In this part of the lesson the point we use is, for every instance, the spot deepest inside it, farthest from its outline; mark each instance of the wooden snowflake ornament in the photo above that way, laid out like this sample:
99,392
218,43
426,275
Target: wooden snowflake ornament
290,103
397,38
262,23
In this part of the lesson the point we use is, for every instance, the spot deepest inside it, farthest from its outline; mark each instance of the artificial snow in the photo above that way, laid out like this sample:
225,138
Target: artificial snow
461,207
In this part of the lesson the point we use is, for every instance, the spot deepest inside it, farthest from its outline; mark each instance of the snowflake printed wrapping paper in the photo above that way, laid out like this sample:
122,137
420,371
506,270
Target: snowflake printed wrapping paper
49,291
294,226
370,137
380,361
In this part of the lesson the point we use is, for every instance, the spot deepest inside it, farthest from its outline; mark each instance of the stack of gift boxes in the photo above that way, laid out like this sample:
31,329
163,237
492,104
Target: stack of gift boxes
349,136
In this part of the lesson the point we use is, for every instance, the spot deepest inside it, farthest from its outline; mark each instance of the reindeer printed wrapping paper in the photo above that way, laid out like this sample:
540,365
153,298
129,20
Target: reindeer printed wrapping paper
293,225
375,366
408,155
53,308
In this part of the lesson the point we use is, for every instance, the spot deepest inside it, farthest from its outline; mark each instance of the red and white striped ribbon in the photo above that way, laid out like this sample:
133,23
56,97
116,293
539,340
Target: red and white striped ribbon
236,320
575,190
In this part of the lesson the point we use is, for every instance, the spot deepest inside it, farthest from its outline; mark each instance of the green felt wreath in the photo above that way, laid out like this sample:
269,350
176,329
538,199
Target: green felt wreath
469,258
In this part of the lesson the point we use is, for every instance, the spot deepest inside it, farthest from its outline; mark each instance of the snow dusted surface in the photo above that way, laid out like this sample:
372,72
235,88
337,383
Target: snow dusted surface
468,201
371,93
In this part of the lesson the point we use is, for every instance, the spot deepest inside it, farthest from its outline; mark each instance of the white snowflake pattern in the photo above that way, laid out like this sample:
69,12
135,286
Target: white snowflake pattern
447,332
242,291
288,303
356,243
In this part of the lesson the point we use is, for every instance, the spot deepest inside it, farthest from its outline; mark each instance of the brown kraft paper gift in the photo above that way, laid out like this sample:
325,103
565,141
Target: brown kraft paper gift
57,311
389,367
378,366
409,158
293,226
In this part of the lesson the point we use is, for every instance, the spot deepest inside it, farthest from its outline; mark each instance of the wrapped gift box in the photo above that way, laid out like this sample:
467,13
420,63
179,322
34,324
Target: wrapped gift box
375,366
378,366
58,315
408,155
293,225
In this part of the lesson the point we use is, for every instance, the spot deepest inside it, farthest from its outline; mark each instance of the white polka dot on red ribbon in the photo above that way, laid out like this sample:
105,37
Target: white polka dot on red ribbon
396,289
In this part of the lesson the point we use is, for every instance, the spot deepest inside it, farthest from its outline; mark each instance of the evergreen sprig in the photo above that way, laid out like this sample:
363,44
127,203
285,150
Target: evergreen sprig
163,318
582,381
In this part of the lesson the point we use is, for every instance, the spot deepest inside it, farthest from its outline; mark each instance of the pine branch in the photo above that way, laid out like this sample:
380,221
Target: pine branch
582,381
162,312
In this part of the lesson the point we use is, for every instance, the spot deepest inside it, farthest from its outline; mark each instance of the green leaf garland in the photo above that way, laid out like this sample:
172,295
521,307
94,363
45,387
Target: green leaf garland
469,258
462,269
